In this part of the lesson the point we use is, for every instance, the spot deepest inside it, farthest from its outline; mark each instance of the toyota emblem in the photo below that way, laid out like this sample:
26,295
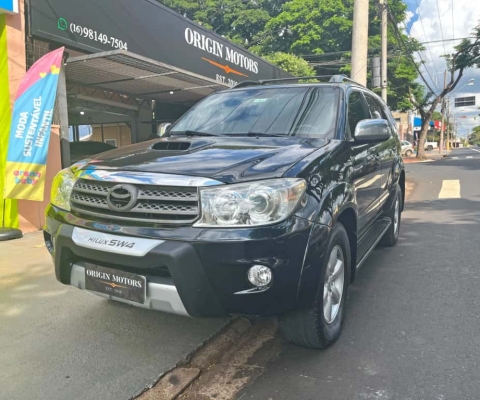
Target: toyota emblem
122,197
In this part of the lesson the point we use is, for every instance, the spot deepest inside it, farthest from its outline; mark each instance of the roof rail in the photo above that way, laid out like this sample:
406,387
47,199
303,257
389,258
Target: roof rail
343,78
266,81
331,78
247,83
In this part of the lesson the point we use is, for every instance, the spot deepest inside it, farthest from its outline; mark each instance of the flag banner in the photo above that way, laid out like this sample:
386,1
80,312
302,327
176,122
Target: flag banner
30,129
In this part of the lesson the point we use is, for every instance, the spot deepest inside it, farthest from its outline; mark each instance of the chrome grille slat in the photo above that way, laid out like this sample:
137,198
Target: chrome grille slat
149,194
155,203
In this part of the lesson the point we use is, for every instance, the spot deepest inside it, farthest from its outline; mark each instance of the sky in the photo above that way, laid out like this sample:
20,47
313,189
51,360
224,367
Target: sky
457,19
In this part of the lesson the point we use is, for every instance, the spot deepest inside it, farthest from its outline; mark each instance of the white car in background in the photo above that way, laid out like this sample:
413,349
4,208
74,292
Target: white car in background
429,146
407,148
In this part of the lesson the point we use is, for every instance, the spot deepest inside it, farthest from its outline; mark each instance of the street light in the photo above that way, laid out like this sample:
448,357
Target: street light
470,82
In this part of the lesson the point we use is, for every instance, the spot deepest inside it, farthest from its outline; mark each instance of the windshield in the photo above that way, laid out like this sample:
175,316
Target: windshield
304,111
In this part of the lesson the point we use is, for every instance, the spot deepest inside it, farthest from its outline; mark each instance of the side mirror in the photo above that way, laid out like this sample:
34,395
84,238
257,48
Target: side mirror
163,128
371,130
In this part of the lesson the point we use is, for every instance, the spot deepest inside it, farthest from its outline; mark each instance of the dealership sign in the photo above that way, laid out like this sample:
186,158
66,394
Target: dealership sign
9,6
147,28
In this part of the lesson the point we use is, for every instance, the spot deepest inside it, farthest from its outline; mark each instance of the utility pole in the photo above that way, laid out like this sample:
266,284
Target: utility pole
360,42
449,134
440,147
383,10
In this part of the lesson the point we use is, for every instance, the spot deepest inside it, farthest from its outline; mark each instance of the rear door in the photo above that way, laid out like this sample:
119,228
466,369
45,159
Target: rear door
367,172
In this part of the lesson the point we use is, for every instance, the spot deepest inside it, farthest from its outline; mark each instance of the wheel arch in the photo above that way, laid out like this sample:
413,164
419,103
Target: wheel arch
348,218
338,204
344,209
401,182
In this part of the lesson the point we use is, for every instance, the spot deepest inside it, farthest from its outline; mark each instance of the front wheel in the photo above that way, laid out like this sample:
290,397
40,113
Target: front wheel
320,325
430,148
408,153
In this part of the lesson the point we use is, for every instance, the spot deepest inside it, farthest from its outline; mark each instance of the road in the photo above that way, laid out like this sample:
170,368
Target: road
58,342
413,322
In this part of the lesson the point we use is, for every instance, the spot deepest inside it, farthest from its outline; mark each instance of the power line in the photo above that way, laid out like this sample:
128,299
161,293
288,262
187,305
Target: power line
401,42
346,61
421,53
423,63
441,28
424,33
390,47
448,40
453,23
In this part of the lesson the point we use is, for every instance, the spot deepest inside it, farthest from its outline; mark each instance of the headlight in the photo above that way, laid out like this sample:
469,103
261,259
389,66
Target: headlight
246,204
62,189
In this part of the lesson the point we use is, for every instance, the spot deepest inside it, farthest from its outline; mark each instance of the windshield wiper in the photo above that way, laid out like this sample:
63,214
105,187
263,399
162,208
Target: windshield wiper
261,134
193,133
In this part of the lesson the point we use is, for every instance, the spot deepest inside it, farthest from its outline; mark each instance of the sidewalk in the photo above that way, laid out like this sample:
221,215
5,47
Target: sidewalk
59,342
431,156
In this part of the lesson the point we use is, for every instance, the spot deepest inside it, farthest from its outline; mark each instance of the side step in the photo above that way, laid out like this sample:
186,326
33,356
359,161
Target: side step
370,239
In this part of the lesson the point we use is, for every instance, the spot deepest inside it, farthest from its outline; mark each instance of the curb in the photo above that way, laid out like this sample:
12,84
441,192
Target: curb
228,353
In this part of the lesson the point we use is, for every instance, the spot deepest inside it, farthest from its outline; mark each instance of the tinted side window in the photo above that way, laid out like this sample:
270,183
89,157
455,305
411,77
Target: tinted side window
389,118
356,111
375,108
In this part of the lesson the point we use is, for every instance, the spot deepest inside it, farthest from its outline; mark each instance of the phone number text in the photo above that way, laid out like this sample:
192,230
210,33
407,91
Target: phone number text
98,37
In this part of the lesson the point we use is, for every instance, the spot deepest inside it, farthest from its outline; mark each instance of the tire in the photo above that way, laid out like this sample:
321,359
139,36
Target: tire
408,153
430,148
391,236
310,327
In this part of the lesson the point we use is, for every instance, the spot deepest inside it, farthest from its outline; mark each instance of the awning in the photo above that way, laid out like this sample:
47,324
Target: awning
129,73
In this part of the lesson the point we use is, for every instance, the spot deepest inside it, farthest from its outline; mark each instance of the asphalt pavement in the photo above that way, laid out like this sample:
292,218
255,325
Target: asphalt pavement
58,342
413,319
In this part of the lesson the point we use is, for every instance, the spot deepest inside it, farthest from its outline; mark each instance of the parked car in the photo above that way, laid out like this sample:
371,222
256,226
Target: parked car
407,148
429,146
261,200
81,150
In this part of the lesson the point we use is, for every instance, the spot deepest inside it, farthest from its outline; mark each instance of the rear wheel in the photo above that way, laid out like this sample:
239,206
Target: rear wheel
430,148
320,325
408,153
395,214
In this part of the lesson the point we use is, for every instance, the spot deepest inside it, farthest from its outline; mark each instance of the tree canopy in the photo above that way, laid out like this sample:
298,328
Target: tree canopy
295,65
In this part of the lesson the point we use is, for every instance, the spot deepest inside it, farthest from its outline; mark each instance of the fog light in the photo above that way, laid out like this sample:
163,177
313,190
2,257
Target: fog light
259,275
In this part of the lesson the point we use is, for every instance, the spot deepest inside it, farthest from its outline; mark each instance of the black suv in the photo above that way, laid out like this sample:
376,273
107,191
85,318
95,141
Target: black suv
261,200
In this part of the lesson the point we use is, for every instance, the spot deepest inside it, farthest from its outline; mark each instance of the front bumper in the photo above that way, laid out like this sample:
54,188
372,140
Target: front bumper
198,277
161,296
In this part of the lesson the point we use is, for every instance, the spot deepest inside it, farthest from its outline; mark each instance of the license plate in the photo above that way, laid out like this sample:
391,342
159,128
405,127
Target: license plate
124,285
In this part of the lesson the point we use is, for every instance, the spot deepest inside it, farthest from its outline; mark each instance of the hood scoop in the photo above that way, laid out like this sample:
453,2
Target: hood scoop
171,146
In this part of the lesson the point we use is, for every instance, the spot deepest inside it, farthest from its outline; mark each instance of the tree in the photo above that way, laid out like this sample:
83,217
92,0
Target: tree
426,101
322,32
474,137
297,66
238,20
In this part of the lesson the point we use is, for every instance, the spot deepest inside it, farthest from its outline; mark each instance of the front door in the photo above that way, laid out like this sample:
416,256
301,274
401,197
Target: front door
367,171
386,149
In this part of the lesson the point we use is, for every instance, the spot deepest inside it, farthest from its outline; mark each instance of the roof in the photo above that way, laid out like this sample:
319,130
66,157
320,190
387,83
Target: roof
129,73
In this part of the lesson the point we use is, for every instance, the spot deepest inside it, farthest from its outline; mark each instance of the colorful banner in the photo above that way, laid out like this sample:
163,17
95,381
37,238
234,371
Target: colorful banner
8,207
30,129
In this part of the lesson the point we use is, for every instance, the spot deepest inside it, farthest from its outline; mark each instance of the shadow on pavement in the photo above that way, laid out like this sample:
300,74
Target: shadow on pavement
412,320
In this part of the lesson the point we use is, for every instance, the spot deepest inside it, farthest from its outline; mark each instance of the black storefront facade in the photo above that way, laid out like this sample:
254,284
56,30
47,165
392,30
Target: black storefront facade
135,62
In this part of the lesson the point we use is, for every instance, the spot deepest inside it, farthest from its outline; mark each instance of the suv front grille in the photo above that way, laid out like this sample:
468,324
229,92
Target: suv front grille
154,204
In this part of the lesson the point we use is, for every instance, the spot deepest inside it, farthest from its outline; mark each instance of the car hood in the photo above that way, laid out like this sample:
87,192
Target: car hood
226,159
